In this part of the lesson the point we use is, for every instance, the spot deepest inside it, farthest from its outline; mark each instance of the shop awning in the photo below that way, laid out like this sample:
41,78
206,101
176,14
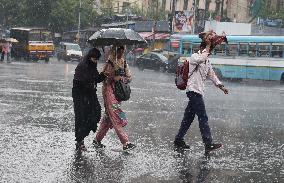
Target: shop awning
158,36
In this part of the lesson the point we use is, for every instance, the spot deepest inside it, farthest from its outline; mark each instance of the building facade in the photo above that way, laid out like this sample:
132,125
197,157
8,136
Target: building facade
237,10
119,6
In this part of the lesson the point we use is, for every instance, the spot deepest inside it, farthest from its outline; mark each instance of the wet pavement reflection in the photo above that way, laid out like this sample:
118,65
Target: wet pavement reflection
37,131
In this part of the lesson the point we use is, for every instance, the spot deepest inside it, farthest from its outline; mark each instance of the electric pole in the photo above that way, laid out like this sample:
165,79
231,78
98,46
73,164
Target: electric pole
173,15
79,21
173,7
194,16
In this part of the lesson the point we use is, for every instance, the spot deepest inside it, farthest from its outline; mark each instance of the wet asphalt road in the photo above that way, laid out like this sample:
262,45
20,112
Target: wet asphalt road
37,131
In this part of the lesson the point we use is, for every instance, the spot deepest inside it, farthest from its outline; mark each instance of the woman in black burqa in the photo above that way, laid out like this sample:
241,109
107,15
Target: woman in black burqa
87,108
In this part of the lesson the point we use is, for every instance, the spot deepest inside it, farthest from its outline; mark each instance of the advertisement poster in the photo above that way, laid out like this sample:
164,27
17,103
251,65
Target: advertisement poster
183,21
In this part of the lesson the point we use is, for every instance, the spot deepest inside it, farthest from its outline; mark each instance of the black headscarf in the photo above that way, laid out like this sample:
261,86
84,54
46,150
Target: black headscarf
86,71
93,52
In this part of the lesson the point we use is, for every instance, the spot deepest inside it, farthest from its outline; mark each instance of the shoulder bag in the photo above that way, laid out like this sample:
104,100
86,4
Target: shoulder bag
121,89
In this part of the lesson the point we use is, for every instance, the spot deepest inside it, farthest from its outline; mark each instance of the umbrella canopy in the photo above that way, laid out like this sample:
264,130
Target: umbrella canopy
116,36
12,40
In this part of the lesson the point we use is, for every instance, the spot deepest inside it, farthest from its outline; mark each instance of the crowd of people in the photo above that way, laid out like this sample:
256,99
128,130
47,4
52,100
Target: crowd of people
88,109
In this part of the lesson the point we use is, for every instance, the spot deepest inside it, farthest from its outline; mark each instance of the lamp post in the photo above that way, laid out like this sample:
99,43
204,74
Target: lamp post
173,15
194,16
127,11
79,21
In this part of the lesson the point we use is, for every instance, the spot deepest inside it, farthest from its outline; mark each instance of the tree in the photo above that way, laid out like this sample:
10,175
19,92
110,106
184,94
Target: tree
10,13
135,9
59,15
207,4
64,15
164,4
108,8
88,13
185,4
217,8
155,11
263,11
37,12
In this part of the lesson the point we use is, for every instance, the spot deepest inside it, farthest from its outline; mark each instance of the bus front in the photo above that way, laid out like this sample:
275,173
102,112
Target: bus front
40,45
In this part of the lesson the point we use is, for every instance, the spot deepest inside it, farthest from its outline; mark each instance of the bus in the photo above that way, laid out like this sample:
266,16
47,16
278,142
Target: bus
33,43
244,57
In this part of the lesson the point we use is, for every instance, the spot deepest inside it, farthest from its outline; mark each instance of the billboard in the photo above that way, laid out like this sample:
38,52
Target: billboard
183,21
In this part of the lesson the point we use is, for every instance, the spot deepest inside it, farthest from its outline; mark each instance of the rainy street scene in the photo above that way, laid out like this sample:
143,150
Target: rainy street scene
142,91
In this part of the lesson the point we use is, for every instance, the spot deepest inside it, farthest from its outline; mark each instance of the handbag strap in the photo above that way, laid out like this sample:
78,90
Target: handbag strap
125,67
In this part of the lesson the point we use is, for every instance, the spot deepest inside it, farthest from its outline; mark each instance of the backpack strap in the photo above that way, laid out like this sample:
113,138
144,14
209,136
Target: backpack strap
193,71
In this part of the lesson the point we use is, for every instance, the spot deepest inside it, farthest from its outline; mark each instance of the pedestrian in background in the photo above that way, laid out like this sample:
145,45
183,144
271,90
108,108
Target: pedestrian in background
1,46
87,108
9,49
199,70
115,69
4,51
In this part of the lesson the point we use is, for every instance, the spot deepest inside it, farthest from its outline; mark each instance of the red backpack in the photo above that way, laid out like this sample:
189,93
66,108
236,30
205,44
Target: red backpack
182,74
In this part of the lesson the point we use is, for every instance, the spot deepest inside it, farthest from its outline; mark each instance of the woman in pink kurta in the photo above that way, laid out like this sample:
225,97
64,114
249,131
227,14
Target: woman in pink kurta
115,69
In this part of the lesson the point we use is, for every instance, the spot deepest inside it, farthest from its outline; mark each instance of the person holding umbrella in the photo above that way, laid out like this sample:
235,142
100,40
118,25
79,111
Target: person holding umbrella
5,50
115,69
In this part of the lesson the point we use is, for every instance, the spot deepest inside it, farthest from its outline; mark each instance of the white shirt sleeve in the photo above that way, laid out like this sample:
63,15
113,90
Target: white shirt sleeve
212,76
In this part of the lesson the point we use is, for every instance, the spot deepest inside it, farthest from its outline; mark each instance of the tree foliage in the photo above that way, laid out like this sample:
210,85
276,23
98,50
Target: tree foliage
270,12
58,15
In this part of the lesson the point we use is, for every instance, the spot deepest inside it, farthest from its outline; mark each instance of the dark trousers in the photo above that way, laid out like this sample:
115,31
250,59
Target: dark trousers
2,56
87,111
195,106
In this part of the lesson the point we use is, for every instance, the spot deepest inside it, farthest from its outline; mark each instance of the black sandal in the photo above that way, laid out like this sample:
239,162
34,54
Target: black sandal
81,146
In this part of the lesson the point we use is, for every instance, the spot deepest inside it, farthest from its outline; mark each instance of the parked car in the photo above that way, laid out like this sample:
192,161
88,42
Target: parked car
272,22
173,62
69,52
153,61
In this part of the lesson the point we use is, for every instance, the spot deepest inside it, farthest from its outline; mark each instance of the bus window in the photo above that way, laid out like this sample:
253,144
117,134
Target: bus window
220,50
195,48
277,50
243,49
263,49
252,49
175,45
185,48
232,50
34,36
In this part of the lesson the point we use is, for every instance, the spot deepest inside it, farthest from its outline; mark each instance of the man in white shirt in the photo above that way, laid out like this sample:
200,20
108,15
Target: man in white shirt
200,69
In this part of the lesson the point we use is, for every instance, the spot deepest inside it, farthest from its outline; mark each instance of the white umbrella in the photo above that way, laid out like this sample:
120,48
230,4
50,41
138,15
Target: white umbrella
12,40
116,36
